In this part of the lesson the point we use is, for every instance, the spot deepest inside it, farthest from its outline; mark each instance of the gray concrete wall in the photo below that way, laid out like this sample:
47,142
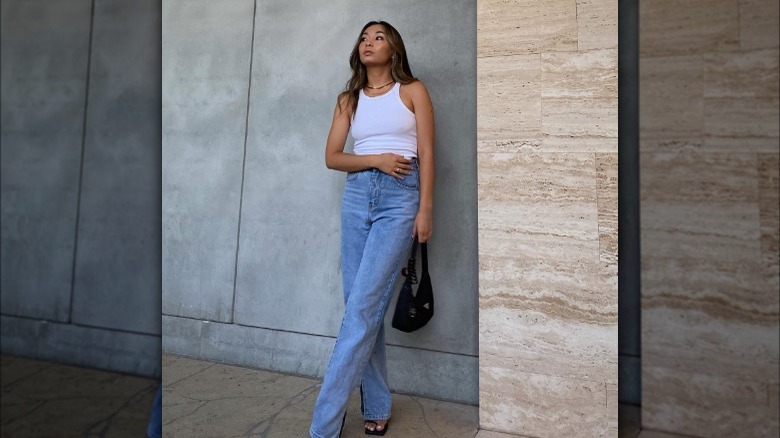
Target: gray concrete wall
250,212
80,182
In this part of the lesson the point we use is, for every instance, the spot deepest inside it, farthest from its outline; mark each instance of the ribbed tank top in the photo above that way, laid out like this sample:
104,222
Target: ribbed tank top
384,124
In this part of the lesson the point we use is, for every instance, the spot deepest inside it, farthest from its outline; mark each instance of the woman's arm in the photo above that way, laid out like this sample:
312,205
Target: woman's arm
423,112
337,159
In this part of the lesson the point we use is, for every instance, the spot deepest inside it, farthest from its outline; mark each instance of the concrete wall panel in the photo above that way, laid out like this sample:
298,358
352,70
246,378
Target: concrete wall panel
66,64
45,46
118,258
115,350
205,75
288,280
288,272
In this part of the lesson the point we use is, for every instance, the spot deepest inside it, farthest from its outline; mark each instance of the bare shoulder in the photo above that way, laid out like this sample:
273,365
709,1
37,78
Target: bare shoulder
417,89
342,104
342,99
415,95
419,97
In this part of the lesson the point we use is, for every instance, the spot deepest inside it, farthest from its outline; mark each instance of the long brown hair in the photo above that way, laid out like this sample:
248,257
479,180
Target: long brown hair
399,65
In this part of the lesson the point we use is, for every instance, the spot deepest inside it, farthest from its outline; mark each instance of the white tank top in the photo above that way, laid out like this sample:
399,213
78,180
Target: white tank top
384,124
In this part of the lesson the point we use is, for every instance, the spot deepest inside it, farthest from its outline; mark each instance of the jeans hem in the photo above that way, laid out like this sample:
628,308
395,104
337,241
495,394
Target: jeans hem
376,417
314,434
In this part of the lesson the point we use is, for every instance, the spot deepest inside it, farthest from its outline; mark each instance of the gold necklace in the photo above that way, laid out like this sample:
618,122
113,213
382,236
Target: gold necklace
383,86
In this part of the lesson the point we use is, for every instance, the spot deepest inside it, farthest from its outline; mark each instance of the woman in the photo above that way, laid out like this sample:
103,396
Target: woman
388,200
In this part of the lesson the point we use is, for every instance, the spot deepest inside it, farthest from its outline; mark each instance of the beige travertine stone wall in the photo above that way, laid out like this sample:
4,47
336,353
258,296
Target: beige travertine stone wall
709,216
547,193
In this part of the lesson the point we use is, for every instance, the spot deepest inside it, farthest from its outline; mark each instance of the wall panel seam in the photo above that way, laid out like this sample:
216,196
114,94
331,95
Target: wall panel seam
595,49
577,24
81,164
316,335
243,163
75,324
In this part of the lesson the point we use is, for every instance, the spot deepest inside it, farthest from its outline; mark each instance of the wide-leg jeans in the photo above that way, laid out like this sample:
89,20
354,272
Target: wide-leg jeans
377,219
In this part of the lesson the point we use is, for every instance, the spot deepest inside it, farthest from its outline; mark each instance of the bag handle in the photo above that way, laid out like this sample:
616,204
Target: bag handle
411,265
424,249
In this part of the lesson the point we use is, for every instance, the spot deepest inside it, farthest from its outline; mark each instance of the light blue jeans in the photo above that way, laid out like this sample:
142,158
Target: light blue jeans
377,219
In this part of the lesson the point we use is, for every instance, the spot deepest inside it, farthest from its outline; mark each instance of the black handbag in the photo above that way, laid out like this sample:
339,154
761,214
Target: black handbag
414,310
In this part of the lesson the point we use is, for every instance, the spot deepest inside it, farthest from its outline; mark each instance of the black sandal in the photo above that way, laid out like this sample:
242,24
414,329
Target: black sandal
377,432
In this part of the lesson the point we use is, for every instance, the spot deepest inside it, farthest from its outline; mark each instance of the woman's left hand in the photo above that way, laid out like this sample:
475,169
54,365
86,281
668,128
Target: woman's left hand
423,226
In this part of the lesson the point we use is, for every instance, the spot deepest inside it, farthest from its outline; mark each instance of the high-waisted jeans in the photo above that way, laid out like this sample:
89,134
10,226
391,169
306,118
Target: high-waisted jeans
377,219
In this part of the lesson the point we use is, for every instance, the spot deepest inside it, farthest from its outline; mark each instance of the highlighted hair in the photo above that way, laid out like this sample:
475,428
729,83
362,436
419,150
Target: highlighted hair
399,66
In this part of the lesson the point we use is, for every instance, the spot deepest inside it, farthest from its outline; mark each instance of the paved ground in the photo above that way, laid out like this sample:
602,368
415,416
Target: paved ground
206,399
42,399
203,399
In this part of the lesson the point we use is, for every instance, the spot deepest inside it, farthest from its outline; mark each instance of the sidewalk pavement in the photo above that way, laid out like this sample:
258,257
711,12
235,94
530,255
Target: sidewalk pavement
49,400
207,399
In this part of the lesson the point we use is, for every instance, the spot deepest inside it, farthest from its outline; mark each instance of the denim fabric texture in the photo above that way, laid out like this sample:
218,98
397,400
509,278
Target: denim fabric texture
377,220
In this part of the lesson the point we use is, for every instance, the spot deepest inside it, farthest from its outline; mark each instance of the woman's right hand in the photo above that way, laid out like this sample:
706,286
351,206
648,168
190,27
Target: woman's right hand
394,164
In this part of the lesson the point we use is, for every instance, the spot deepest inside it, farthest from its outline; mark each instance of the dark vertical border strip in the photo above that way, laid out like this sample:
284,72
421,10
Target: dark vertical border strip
81,162
158,11
629,264
243,162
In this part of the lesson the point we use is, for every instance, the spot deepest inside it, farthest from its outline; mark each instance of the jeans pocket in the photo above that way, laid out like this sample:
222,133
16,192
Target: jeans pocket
351,175
409,182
